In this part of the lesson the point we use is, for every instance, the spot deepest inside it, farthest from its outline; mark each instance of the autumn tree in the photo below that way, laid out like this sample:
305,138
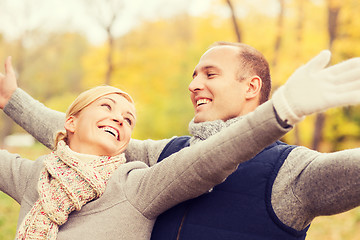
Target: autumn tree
234,21
26,34
107,14
299,34
279,33
333,9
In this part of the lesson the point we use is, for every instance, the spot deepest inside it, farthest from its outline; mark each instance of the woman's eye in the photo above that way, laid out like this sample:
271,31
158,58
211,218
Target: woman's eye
106,105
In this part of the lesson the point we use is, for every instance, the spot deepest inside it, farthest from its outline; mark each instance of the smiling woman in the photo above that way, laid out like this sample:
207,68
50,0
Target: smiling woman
99,122
98,127
95,125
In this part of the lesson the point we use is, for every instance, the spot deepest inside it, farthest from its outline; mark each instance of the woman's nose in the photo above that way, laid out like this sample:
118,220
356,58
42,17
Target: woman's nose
118,119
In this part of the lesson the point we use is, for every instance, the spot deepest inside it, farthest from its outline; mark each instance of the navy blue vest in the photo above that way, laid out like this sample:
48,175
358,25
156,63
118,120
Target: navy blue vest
239,208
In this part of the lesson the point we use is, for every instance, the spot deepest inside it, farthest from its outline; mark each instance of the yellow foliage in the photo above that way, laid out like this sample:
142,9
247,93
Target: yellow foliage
154,63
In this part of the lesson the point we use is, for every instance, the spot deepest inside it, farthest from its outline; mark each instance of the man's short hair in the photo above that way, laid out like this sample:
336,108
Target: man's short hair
252,62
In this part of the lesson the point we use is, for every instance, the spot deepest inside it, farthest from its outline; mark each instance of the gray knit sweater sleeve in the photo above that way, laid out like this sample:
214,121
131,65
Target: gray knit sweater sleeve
312,184
147,151
194,170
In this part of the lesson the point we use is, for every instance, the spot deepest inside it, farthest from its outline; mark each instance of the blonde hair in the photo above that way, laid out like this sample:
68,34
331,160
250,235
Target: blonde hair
85,99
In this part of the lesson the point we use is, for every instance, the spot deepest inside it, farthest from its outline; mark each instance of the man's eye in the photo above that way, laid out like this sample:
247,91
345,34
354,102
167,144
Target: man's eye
128,121
210,75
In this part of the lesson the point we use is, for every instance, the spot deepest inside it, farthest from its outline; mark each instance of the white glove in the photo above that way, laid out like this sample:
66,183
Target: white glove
313,88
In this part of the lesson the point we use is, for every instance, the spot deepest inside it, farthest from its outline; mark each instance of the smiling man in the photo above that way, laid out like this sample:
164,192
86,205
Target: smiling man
276,194
221,89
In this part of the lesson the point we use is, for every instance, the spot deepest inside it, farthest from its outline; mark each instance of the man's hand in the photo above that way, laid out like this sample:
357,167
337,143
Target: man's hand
8,83
314,88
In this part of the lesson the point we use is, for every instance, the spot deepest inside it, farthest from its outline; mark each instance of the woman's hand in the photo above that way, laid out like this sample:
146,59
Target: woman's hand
8,83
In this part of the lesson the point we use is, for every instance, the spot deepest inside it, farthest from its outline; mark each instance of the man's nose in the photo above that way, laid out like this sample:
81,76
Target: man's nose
196,84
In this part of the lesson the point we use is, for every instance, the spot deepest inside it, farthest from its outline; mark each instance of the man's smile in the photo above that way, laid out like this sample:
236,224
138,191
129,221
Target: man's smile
202,101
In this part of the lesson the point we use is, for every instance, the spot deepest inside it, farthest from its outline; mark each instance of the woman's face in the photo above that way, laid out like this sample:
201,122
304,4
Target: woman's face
102,128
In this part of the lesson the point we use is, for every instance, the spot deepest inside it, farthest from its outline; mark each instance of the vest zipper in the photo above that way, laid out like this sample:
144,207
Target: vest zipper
181,224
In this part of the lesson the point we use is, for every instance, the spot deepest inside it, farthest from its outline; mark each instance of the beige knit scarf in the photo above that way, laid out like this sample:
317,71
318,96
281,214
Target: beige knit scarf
66,184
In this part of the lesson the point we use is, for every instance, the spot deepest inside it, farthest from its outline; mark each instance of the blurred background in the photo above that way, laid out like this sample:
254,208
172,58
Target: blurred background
150,48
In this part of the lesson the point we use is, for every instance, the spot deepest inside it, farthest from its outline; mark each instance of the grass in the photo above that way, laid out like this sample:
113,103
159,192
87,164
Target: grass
344,226
9,210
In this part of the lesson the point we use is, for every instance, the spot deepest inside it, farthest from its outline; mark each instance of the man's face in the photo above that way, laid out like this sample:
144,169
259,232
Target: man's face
215,91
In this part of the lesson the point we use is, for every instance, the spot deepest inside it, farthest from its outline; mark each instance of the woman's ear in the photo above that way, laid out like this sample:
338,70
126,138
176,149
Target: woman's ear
70,124
254,87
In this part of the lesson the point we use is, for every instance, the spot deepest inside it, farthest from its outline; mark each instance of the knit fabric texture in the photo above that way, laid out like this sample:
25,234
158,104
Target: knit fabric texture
203,130
66,184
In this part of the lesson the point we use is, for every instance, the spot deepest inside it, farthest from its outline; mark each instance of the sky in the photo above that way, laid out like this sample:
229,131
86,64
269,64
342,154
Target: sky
72,15
17,16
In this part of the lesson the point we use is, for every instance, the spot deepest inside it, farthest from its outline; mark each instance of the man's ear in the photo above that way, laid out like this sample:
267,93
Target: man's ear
70,124
254,87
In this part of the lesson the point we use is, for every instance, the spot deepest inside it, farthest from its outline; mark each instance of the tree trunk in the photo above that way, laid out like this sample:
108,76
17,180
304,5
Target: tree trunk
235,23
298,51
333,13
110,60
107,12
279,35
7,122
